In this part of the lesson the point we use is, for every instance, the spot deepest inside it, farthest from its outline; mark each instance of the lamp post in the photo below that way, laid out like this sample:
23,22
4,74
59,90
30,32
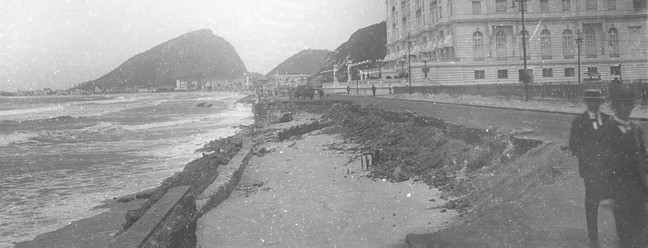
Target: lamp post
409,63
348,60
525,77
425,69
402,73
579,40
357,86
380,69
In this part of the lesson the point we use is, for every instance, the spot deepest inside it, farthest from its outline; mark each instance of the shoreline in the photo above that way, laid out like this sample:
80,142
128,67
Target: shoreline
100,229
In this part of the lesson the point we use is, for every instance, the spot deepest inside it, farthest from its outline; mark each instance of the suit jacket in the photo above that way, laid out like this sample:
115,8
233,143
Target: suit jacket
627,159
587,142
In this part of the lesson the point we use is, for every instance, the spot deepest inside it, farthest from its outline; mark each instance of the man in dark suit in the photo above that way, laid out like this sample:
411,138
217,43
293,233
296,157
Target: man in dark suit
627,160
586,142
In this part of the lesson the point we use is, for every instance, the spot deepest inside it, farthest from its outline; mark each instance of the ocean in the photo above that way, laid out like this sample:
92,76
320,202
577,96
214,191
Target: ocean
60,156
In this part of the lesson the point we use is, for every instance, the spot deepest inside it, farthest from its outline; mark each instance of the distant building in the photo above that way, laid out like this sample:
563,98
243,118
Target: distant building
480,41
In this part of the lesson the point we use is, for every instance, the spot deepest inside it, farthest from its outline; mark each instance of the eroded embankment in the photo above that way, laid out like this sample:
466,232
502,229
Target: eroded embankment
510,191
428,149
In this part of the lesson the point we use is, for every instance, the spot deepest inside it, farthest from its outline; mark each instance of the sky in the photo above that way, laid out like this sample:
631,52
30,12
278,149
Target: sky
59,43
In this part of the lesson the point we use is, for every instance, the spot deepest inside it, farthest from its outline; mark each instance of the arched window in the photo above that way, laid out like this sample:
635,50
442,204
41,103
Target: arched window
500,43
478,45
524,42
590,43
568,44
613,39
545,44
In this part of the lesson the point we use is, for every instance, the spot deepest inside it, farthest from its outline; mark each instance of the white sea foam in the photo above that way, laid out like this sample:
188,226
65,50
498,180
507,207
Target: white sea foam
30,111
16,138
119,99
159,124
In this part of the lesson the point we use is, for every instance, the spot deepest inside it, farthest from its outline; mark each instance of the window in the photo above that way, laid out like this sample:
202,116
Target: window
449,7
566,5
479,74
569,72
590,4
568,44
592,69
590,43
500,6
611,4
613,39
440,12
478,45
524,44
547,72
639,5
502,74
544,5
476,7
545,44
615,70
500,44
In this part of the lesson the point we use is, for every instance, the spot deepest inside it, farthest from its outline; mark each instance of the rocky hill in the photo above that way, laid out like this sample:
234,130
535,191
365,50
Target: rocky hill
305,62
368,43
197,55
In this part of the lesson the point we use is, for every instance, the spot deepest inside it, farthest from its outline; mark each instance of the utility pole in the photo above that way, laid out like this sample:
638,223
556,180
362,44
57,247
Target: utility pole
579,40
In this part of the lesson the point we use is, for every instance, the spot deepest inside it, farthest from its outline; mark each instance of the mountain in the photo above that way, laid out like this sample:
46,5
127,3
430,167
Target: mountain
305,62
197,55
368,43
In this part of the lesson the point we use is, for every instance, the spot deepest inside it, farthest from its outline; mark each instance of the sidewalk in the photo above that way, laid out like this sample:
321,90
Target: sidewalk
312,192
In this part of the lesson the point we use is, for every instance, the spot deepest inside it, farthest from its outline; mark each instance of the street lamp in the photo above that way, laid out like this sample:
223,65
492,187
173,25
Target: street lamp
579,40
402,60
348,61
380,68
409,63
525,77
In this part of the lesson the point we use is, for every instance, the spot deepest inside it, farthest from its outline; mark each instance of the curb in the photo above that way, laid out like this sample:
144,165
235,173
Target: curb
496,107
226,180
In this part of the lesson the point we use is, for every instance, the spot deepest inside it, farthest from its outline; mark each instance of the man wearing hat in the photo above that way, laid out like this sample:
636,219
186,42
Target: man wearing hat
627,160
586,141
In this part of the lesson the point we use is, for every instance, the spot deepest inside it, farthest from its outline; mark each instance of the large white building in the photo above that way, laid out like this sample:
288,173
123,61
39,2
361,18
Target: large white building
480,41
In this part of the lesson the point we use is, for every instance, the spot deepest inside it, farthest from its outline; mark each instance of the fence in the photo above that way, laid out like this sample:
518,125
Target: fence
572,91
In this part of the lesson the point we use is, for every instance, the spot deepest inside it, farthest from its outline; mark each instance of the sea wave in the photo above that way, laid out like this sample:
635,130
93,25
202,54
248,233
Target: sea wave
119,99
159,124
23,112
16,138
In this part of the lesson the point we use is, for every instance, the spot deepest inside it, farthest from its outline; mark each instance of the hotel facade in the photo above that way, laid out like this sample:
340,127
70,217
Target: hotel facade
481,41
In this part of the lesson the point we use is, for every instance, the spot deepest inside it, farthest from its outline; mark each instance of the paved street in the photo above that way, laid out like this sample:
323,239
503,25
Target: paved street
545,125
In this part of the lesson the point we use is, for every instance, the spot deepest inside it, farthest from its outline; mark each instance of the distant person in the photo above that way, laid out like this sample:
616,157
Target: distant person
628,162
348,90
390,89
587,142
616,81
373,89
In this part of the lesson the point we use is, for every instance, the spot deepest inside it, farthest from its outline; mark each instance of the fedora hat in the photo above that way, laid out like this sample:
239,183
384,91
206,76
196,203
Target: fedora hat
623,92
593,94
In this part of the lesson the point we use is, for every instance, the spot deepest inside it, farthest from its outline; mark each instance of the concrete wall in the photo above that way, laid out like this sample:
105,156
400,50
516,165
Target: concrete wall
168,223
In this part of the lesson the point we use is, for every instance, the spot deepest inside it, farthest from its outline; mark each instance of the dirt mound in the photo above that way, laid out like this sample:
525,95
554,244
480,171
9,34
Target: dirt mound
535,201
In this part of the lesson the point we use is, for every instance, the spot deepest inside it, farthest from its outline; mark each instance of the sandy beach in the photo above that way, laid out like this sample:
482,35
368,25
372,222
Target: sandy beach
312,191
